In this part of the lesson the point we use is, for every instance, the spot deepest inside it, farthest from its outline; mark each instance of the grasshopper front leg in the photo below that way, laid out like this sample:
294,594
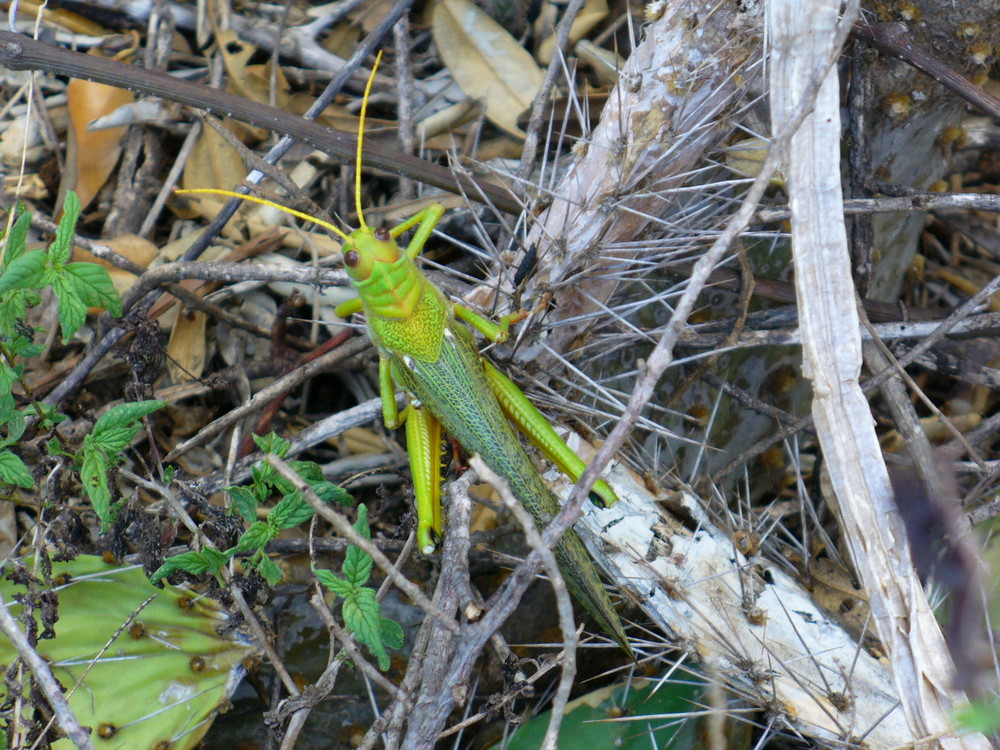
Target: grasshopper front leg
423,447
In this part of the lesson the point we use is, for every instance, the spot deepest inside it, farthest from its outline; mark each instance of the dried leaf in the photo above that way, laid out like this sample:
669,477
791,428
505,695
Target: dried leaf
486,61
593,12
186,350
91,155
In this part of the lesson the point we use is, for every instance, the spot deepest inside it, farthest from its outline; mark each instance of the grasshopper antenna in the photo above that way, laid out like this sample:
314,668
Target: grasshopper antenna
361,144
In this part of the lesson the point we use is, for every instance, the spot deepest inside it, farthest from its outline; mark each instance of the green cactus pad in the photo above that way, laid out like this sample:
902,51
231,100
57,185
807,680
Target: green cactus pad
161,681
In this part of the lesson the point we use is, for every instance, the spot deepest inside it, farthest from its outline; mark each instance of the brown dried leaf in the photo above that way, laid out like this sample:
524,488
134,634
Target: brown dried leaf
486,61
186,349
592,13
91,155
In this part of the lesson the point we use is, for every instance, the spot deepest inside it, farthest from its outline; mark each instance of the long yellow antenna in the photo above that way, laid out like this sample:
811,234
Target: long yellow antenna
264,202
361,144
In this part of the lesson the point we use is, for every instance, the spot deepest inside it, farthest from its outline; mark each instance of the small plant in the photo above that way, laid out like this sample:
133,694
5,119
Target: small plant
292,510
361,611
78,286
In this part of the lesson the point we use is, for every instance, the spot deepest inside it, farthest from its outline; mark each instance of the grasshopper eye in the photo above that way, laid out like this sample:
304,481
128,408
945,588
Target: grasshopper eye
382,234
351,258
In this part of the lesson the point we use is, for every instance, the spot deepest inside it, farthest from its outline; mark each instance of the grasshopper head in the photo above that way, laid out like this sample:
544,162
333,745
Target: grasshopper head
365,249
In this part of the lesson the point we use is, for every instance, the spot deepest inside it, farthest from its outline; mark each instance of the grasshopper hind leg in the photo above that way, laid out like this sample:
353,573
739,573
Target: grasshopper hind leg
540,432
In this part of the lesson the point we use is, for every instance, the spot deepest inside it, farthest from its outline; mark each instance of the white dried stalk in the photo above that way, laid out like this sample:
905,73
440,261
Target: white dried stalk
745,619
800,35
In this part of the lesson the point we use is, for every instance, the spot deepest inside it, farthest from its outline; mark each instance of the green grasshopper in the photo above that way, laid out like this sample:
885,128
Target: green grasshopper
424,349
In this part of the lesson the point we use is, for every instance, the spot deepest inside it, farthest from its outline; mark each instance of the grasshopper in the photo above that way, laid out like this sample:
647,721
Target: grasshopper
425,349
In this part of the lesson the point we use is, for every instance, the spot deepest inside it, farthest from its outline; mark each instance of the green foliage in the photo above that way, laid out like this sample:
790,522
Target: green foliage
980,716
361,610
292,510
23,275
102,450
76,285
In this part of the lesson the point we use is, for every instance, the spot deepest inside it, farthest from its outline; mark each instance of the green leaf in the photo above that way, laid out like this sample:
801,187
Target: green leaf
262,475
94,287
13,470
72,311
115,430
363,617
357,562
25,272
256,537
12,309
94,475
62,246
272,443
244,502
308,470
50,417
981,715
208,560
290,512
16,240
328,492
270,570
16,425
338,586
392,633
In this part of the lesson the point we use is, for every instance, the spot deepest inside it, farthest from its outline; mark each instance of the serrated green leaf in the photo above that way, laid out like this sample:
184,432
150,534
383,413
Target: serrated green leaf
94,476
16,424
363,617
208,560
50,416
115,439
290,512
338,586
16,240
13,306
25,272
361,525
94,286
244,502
62,245
272,443
261,477
72,311
357,566
13,470
328,492
357,562
215,558
256,537
110,430
270,570
392,633
125,414
308,470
